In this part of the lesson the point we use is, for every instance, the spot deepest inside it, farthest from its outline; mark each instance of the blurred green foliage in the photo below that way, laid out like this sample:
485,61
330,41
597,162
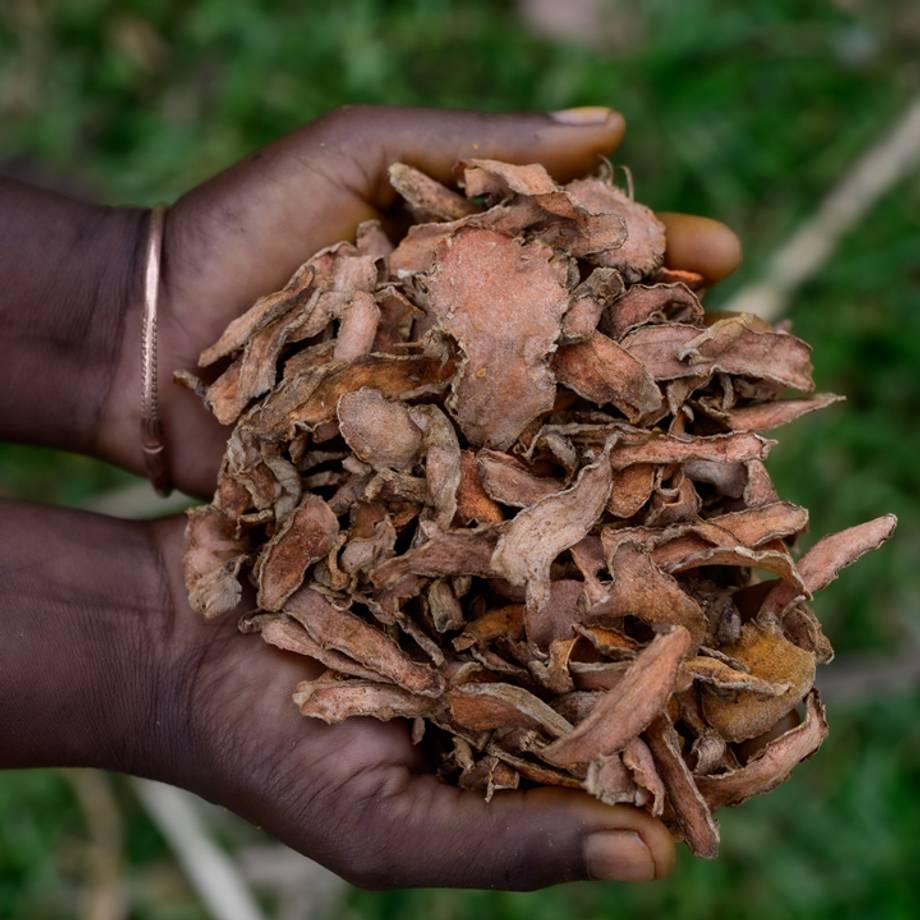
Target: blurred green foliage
746,112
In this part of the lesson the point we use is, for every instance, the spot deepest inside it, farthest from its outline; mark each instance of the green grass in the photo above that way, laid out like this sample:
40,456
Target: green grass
746,112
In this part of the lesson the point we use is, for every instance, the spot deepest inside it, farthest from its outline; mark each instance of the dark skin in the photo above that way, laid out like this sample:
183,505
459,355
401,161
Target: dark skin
102,663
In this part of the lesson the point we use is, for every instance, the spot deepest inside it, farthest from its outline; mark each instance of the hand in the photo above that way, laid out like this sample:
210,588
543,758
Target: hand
358,797
103,664
243,233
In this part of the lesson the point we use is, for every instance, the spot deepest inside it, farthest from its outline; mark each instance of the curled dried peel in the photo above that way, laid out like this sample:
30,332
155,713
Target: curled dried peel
626,711
502,301
769,656
214,555
304,537
541,532
772,765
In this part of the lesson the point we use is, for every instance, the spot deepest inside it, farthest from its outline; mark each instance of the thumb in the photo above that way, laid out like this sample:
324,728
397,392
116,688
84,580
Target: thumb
437,835
244,232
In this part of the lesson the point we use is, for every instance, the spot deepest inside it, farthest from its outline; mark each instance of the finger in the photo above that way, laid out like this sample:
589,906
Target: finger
699,244
567,143
248,228
437,835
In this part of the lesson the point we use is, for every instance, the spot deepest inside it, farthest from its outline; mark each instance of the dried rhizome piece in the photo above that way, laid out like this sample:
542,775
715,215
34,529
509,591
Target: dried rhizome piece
506,480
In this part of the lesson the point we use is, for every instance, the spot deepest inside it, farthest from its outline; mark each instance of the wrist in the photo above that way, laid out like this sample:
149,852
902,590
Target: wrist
84,614
69,270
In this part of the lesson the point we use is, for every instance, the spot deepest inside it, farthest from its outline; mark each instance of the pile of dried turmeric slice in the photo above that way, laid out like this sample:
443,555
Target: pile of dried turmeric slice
506,480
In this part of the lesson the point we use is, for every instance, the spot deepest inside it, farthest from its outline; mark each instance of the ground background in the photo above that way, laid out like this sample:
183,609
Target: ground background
746,112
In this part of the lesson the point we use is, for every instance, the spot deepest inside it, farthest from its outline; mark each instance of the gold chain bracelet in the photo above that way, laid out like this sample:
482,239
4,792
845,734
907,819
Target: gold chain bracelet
156,457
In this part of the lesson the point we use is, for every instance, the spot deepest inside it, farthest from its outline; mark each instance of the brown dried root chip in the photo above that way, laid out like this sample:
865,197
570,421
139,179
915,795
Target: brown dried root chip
655,303
302,539
772,765
638,759
501,622
674,350
444,606
487,776
459,552
358,329
280,630
474,506
483,707
723,676
632,488
541,532
347,633
691,812
337,700
823,562
262,312
442,461
508,481
608,779
535,772
724,448
626,711
429,199
589,300
505,328
379,431
640,253
766,416
214,555
599,370
310,399
641,589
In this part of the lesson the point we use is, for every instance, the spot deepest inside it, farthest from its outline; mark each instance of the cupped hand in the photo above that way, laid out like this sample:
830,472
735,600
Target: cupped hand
358,796
243,233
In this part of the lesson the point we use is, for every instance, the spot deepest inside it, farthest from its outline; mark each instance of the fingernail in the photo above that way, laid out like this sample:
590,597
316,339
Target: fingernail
619,856
582,115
